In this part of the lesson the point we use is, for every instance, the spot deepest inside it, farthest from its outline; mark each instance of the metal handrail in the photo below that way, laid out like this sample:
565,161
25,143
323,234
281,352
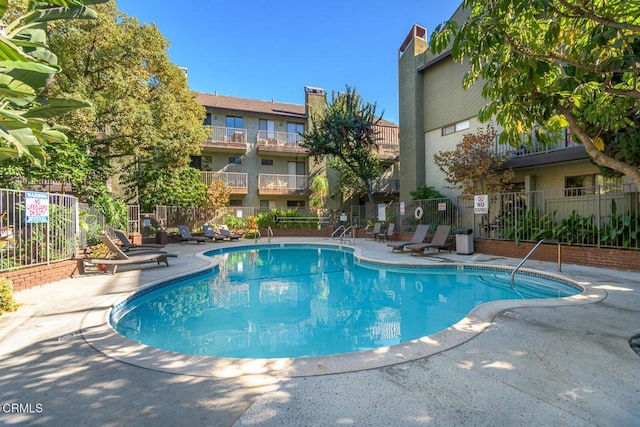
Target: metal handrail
269,233
513,273
335,232
346,233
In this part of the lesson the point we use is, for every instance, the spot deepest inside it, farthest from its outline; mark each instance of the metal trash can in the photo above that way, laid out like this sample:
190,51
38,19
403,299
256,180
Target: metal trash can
464,241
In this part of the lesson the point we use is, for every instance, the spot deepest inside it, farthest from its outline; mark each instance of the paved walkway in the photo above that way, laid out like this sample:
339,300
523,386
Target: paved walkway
532,365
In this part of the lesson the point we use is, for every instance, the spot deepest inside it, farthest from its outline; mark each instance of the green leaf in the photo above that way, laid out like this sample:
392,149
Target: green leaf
53,14
55,107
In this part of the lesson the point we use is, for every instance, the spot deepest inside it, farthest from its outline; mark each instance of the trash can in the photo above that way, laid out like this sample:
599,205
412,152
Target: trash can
464,241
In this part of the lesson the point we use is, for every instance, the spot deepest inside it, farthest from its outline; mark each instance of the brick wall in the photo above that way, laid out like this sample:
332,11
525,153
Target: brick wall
618,259
41,274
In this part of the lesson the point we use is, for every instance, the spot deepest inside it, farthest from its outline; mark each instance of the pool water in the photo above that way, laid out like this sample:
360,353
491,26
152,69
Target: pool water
296,301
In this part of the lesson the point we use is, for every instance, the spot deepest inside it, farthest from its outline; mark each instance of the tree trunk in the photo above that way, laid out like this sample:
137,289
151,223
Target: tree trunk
598,156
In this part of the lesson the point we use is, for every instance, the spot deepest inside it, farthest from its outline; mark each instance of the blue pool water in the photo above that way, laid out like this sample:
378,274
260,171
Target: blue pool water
273,301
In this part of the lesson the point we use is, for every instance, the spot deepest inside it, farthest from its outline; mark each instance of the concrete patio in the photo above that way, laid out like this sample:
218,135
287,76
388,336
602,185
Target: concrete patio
539,364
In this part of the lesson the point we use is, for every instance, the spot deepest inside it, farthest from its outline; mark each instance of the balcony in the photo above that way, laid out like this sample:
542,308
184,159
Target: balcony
539,154
278,184
386,187
388,143
227,140
237,182
280,144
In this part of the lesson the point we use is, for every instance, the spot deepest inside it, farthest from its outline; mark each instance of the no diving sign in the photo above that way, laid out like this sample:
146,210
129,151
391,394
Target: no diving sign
481,204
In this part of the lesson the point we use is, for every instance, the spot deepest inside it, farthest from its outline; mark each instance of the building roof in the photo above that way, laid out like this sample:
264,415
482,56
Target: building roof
232,103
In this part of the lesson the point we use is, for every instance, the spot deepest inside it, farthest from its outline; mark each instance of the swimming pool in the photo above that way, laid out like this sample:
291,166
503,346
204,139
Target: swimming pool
291,300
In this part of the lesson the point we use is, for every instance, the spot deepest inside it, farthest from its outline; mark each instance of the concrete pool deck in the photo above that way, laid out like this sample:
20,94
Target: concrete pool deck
543,364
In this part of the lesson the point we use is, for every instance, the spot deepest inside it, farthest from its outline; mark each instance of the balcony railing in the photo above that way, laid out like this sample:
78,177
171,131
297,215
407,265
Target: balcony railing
388,142
235,181
283,183
386,186
536,147
219,134
279,142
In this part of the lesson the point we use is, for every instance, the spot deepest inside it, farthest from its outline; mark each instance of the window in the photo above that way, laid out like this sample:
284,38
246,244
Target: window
294,129
207,120
457,127
235,160
591,184
267,162
233,202
295,204
234,122
267,204
267,128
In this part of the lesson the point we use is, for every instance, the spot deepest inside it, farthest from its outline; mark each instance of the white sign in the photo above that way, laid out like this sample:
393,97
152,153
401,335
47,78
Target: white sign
37,207
481,204
382,212
402,208
442,206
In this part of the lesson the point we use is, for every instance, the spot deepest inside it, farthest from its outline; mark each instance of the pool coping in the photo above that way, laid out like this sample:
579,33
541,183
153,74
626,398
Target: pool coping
98,333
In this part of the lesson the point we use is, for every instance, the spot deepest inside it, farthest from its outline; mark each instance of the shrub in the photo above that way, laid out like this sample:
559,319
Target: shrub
7,303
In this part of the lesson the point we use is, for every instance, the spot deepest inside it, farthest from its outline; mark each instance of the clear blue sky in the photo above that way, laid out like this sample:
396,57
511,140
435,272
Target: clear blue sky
272,49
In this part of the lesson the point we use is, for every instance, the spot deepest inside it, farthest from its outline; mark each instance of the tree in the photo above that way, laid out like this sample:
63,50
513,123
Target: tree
472,168
425,192
217,198
549,64
345,131
26,65
144,114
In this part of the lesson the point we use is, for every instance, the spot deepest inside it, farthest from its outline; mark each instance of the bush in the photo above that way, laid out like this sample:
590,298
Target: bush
7,303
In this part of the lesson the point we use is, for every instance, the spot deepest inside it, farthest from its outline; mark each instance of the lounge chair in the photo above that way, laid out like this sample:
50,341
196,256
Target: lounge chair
126,245
375,232
121,258
388,235
211,234
186,236
439,241
227,234
418,237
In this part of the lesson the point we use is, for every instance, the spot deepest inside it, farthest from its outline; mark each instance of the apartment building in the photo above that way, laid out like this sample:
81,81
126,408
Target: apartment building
254,147
436,111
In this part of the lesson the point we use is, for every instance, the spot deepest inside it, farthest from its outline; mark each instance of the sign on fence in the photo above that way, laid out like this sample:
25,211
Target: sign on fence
37,207
481,204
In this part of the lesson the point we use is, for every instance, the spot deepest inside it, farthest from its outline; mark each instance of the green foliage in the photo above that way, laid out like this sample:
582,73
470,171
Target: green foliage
547,65
235,223
26,65
251,234
7,303
319,191
144,115
424,192
267,219
114,211
621,229
158,187
346,132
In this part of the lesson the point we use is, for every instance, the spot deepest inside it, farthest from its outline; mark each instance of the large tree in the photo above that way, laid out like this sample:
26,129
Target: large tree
549,64
345,131
144,113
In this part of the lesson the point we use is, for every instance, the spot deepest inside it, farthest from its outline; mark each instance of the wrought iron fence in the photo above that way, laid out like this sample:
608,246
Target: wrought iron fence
602,215
36,228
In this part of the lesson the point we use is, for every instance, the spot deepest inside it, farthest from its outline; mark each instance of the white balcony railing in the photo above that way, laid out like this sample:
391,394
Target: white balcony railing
226,135
267,181
233,180
564,141
271,138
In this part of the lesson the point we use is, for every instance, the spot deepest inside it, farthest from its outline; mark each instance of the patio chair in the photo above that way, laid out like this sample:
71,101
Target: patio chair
388,235
375,232
439,241
222,229
121,258
211,234
186,236
418,237
126,245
